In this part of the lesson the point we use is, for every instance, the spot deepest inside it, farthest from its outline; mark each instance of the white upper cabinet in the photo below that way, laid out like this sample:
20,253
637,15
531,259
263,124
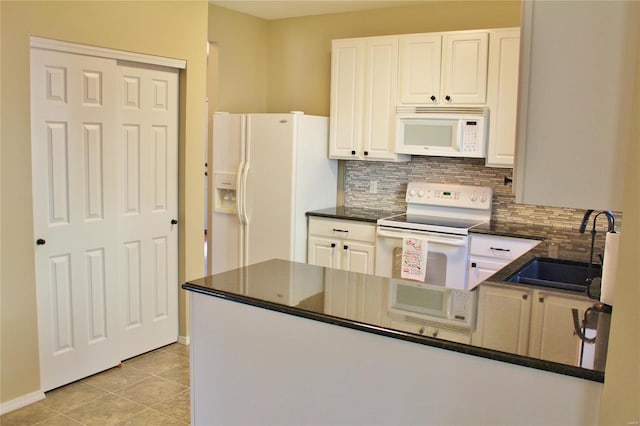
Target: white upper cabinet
347,97
464,68
443,68
502,95
419,75
363,93
575,103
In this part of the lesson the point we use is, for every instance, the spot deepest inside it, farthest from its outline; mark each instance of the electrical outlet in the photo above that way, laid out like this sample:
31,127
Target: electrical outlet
373,187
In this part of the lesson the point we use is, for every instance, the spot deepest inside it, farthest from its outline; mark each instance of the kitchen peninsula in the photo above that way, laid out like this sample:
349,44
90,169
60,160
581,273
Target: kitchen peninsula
269,347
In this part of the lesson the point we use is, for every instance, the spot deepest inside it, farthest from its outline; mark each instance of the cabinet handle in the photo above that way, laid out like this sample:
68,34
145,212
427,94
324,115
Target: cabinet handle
40,242
435,333
346,247
353,153
421,331
448,97
340,230
541,299
474,265
366,153
525,296
433,98
333,245
500,249
174,222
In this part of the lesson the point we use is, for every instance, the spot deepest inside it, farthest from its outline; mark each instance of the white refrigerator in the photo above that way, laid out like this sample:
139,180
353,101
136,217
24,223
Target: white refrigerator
269,170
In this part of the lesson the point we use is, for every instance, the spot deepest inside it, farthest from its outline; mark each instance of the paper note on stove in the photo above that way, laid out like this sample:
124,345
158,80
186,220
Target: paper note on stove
414,259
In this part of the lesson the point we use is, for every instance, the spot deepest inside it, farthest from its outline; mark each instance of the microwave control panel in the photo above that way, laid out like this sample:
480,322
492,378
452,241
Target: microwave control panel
471,134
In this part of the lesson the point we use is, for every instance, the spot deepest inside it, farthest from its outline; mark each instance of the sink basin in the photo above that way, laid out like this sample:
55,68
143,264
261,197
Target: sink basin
555,273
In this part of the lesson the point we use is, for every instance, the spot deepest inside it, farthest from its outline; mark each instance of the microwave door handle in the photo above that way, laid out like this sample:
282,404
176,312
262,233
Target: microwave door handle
460,135
457,243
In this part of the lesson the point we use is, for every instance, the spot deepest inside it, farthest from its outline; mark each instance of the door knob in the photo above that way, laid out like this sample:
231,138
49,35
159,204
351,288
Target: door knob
40,242
174,222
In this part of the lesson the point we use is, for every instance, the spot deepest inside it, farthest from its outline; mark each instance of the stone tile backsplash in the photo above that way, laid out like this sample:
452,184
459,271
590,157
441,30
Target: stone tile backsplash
392,181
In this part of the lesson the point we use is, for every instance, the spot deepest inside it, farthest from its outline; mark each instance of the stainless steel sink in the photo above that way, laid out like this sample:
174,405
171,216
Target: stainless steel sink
555,273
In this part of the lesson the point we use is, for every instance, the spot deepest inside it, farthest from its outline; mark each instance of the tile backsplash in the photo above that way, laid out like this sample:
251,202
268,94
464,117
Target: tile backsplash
392,181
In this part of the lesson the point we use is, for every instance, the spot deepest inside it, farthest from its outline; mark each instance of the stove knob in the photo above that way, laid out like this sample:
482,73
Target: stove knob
421,193
483,197
473,197
412,192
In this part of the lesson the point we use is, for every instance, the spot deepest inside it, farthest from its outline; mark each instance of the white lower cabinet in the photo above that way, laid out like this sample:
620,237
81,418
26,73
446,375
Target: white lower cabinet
341,244
535,323
348,245
504,316
490,253
552,335
353,299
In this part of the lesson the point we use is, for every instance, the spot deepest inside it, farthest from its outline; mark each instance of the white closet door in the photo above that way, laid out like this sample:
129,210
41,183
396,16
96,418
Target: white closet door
74,191
147,114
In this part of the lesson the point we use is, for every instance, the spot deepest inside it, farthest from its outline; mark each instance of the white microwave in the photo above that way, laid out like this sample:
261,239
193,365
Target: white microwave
432,304
444,132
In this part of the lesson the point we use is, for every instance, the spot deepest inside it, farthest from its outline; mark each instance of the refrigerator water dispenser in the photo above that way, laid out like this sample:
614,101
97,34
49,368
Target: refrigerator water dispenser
225,193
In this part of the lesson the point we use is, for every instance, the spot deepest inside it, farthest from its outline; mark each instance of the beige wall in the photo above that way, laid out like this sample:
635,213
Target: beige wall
621,395
163,28
242,43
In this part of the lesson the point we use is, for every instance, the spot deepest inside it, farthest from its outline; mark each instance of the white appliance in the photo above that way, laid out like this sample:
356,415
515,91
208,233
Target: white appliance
269,170
432,304
439,216
447,132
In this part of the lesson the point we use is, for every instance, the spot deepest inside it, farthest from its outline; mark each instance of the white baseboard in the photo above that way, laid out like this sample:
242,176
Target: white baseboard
20,402
183,339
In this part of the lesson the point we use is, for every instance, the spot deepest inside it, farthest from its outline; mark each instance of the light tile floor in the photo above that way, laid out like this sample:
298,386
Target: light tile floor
151,389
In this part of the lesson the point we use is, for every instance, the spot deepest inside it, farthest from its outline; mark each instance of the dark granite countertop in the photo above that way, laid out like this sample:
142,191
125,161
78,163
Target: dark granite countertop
351,213
299,289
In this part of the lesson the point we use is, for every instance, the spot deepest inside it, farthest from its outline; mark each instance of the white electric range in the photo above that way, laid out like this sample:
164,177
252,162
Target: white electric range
437,222
440,215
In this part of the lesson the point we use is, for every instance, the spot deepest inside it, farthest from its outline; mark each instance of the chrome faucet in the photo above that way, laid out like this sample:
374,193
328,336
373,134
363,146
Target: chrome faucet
583,227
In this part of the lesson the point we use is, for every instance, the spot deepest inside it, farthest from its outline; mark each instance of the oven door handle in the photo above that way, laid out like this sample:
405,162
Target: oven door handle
429,239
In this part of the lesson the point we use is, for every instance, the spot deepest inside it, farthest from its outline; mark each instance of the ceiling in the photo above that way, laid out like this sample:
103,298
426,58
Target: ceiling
280,9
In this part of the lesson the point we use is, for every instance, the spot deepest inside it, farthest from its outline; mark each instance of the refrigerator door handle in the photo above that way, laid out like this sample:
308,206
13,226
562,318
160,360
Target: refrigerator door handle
239,191
245,171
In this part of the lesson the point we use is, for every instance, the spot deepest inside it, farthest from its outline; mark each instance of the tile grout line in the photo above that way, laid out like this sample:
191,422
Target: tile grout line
57,412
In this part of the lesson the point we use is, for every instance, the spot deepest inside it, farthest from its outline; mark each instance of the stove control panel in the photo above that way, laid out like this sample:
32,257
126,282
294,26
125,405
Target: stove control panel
446,195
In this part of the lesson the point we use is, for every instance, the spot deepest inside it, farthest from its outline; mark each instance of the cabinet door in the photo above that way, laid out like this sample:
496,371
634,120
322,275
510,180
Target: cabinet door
323,252
502,96
481,269
372,303
552,332
380,98
358,257
464,68
341,296
347,86
496,327
419,74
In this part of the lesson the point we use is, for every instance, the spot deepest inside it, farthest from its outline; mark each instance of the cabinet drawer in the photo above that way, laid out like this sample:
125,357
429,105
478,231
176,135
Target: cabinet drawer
342,229
500,247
